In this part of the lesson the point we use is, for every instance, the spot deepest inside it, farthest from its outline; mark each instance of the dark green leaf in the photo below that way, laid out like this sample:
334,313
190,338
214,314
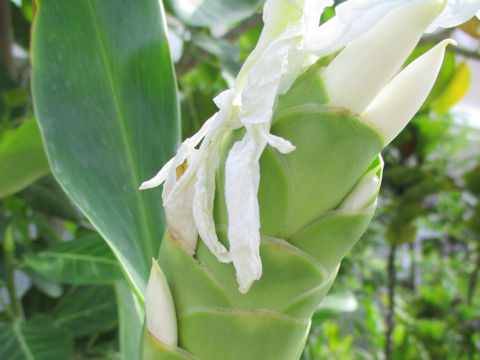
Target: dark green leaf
22,159
105,96
47,286
87,260
46,195
88,310
36,339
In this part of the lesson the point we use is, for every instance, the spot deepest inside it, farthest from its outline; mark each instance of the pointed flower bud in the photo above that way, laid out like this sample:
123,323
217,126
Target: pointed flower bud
365,192
366,65
396,104
161,321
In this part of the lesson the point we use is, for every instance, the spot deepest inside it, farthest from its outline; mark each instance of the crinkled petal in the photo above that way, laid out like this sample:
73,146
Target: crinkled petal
203,207
159,178
264,77
242,178
179,214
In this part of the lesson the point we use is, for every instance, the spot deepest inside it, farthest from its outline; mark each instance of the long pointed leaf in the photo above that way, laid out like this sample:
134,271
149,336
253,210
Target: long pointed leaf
105,96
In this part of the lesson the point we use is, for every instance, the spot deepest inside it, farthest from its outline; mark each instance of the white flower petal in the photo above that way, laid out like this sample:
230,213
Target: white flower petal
242,178
456,12
159,178
398,102
279,143
365,66
264,77
179,214
203,207
353,18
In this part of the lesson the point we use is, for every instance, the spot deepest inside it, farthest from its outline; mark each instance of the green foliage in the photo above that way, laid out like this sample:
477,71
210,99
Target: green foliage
87,260
22,158
214,12
38,339
106,104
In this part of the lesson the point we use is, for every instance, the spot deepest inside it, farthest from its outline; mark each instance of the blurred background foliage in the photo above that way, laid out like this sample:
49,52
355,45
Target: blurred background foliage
408,290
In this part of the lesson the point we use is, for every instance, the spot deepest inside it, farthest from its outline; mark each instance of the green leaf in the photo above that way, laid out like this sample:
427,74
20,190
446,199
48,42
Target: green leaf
105,95
214,12
46,195
36,339
88,310
87,260
130,318
22,158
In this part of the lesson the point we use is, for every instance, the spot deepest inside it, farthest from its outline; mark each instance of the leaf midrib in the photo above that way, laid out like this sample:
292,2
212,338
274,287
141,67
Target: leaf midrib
79,257
133,174
22,341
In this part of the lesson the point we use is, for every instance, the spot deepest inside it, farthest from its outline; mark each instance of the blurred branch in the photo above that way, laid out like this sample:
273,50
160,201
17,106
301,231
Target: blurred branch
6,38
243,27
460,50
390,322
471,54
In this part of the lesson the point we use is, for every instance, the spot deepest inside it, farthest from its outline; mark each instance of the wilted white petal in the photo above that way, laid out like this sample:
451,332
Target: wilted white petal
203,207
178,193
160,317
396,104
456,12
159,178
365,66
242,177
279,143
264,77
180,157
278,15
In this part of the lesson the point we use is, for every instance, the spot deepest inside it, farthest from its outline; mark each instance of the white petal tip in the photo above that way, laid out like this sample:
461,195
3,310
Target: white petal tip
161,321
149,184
390,42
144,186
400,99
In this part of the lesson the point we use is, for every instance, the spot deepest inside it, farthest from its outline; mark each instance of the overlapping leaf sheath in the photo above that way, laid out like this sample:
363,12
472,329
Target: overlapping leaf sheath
308,224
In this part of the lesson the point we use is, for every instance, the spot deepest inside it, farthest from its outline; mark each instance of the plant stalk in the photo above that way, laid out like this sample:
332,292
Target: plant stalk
6,39
472,282
390,322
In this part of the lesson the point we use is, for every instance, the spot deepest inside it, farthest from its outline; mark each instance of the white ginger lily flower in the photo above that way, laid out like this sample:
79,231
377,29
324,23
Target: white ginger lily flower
291,40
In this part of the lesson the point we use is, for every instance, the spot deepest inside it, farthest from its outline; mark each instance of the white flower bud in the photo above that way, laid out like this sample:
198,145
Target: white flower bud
161,320
365,66
398,102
